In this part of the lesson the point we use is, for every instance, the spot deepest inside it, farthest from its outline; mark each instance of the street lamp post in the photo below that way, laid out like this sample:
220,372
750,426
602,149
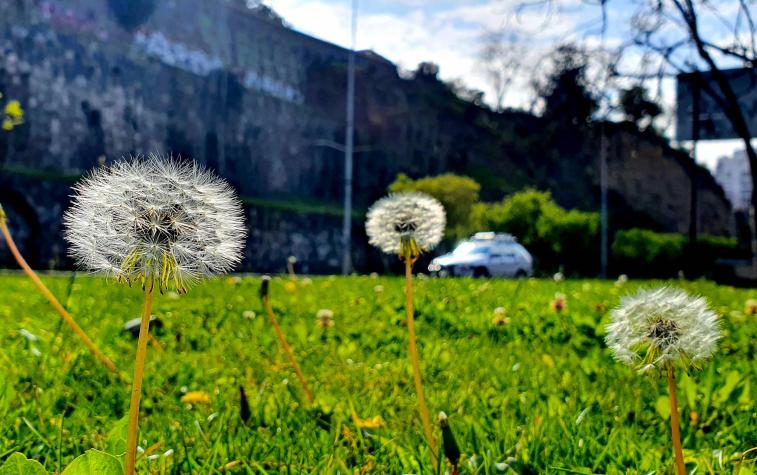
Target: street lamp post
348,151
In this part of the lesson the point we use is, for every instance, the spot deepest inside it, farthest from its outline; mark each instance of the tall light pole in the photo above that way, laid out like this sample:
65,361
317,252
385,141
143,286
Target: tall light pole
604,244
348,150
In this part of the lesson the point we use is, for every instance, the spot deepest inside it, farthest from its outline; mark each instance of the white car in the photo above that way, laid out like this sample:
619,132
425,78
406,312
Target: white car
485,255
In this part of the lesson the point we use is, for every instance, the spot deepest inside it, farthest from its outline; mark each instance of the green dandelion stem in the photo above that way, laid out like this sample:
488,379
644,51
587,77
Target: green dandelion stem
422,409
283,340
136,390
51,298
674,422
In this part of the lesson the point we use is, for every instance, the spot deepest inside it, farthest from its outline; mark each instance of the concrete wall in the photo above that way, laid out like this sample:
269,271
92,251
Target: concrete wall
657,180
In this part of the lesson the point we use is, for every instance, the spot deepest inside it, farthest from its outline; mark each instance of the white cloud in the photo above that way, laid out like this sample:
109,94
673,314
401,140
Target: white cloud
450,37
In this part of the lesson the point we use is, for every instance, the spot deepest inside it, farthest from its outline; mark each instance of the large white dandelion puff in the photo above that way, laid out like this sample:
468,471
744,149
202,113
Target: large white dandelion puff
663,327
406,224
154,220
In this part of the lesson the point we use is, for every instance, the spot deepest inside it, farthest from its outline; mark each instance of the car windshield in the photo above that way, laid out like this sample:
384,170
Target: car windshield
469,248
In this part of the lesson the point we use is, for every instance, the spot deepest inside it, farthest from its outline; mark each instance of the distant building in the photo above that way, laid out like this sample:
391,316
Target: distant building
733,175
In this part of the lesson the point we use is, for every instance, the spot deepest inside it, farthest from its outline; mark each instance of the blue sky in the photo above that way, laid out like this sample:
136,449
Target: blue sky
451,33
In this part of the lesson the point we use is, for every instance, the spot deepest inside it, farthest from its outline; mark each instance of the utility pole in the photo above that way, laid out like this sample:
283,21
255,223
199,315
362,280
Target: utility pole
603,200
348,151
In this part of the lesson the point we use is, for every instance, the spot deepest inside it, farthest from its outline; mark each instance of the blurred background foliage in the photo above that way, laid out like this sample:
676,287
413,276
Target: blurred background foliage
568,240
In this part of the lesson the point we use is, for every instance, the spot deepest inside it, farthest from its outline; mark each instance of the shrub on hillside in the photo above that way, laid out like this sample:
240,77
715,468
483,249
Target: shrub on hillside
557,238
644,253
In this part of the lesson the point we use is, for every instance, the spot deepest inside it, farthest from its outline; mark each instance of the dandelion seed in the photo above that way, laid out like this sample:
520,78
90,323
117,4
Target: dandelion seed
157,222
655,328
406,224
152,220
661,329
500,317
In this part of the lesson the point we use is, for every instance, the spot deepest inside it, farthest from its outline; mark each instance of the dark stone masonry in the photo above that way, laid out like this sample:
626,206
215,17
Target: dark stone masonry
260,104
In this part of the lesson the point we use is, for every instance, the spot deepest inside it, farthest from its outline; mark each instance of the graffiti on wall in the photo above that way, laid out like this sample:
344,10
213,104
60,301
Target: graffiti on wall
157,45
260,82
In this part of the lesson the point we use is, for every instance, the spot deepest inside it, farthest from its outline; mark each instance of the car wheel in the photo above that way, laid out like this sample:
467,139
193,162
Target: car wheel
521,274
480,272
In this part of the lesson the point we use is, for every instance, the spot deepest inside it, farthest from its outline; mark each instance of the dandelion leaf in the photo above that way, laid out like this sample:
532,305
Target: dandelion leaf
724,393
18,464
663,407
116,438
94,462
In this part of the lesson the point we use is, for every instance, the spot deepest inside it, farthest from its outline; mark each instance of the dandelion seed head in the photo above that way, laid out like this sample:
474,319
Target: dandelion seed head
656,328
325,318
155,220
411,221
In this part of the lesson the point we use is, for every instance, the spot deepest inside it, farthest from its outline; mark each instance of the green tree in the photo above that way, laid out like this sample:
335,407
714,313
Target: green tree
637,107
566,95
518,214
457,193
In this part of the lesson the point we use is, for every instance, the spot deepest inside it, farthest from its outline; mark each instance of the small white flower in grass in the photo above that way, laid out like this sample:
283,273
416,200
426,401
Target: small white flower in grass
155,220
28,335
654,329
406,224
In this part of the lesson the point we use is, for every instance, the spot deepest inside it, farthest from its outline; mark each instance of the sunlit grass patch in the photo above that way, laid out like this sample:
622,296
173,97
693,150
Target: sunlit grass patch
540,394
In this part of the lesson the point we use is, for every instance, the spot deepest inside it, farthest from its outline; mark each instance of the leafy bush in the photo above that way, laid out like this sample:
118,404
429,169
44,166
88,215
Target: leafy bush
557,238
568,240
457,193
640,252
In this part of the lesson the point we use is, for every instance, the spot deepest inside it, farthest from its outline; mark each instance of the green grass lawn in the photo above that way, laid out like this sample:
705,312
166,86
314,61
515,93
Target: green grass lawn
541,394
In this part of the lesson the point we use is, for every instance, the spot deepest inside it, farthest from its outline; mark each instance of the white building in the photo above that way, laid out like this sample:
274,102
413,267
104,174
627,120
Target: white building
733,175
